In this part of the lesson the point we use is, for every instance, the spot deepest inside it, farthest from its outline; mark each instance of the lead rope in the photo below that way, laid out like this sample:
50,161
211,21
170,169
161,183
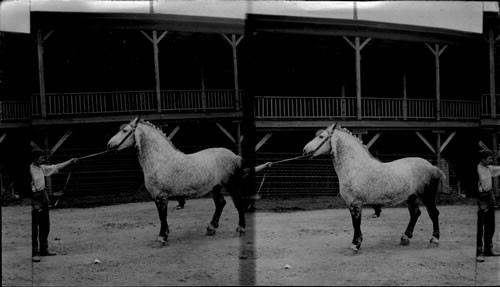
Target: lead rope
71,170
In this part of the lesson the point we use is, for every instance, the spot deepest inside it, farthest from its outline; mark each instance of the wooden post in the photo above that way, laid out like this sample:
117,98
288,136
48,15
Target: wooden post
357,48
438,85
155,40
41,75
405,100
157,71
203,93
234,44
342,103
235,68
48,180
493,100
238,137
437,53
494,142
358,76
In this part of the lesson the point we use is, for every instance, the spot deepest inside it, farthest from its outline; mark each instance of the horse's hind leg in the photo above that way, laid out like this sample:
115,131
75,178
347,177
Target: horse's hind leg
430,203
220,202
414,214
240,205
355,210
161,202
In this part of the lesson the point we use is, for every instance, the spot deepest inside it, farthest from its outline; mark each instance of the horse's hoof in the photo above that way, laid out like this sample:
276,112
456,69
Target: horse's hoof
404,240
434,241
354,248
210,231
375,215
162,239
240,230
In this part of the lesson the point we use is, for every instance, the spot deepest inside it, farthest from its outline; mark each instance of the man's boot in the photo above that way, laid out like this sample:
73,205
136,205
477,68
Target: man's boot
479,254
36,256
45,250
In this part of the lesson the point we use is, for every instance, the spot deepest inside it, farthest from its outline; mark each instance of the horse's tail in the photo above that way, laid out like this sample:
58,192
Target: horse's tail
440,174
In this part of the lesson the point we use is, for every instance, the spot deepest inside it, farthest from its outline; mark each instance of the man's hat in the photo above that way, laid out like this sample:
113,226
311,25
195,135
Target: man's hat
36,153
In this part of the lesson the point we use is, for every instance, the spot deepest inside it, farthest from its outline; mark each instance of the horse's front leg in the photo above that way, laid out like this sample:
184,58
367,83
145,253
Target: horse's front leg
355,209
161,202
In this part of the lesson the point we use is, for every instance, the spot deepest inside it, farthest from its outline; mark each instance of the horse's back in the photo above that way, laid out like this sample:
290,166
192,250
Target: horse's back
222,161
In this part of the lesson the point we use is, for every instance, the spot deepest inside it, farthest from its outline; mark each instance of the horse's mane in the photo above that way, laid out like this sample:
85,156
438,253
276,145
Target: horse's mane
358,140
160,131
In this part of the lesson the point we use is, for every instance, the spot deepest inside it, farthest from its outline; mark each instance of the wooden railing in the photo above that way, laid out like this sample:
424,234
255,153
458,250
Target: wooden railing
60,104
486,105
371,108
194,100
268,107
14,110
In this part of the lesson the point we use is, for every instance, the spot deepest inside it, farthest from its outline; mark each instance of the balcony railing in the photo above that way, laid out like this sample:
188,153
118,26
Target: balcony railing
13,110
60,104
371,108
268,107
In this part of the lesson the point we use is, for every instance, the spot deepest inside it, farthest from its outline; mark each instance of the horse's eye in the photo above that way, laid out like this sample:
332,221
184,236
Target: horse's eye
124,131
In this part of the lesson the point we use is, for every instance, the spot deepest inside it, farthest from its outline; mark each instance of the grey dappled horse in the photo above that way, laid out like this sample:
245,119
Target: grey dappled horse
169,172
363,180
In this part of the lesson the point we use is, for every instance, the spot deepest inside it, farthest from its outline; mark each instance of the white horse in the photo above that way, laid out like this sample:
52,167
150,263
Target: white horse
170,173
363,180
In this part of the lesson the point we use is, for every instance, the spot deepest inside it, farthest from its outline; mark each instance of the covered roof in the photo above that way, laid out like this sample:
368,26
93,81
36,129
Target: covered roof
456,17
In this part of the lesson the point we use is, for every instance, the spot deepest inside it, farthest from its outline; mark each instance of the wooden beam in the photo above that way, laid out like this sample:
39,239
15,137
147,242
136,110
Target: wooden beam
426,142
239,40
60,142
263,141
349,42
35,146
173,132
226,132
2,138
48,35
483,146
364,43
147,36
373,140
447,141
162,36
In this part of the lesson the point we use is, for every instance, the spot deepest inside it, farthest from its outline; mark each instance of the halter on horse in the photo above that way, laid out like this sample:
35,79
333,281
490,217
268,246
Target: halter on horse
365,180
168,172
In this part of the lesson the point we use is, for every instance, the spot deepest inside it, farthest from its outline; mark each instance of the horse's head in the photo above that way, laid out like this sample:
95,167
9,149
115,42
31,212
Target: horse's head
125,137
322,143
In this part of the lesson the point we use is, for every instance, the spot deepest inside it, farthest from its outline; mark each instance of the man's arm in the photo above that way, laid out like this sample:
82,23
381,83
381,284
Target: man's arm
495,170
49,170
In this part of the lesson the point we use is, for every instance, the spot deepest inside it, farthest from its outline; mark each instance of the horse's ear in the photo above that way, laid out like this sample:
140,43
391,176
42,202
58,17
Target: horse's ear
332,127
136,121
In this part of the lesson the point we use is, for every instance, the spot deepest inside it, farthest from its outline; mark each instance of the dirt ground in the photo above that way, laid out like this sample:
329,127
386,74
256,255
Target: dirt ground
313,243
